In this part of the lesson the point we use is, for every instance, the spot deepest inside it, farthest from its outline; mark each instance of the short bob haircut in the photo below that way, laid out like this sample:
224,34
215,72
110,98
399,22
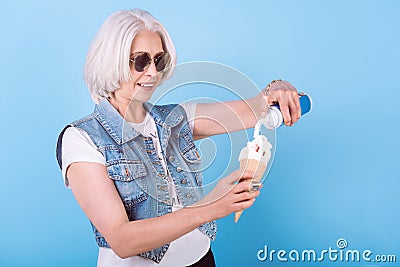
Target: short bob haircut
107,61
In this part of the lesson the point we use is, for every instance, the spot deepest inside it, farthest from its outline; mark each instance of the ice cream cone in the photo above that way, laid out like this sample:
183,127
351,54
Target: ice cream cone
237,216
254,166
254,157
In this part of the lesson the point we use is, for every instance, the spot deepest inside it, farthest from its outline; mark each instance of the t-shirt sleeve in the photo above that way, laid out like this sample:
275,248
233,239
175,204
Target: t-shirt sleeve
190,109
78,147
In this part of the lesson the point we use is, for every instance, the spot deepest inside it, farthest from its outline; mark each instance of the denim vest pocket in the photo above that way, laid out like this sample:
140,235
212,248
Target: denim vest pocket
191,155
130,179
187,148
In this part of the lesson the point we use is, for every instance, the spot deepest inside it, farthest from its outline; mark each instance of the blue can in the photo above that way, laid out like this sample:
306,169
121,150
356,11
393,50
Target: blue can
274,117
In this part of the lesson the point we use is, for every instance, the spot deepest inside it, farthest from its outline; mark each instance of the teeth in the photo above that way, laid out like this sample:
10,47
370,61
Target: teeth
146,84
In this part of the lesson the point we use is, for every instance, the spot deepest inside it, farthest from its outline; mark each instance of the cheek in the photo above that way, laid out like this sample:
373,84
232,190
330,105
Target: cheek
158,78
136,76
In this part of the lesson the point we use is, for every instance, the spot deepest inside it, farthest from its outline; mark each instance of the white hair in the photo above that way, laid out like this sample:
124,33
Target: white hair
107,61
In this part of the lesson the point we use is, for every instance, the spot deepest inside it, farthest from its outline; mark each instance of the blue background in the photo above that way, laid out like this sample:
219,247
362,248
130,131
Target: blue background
335,174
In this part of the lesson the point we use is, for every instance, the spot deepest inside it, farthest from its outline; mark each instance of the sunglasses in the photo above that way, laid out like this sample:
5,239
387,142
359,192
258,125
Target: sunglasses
142,60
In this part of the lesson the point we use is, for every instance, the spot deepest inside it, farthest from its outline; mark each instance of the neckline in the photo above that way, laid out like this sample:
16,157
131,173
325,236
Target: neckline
144,122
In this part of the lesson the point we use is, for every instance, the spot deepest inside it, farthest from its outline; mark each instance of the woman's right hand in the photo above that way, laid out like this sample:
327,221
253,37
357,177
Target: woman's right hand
229,196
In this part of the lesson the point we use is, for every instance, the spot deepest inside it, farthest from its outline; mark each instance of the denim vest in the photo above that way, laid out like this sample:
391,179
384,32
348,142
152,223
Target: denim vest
132,163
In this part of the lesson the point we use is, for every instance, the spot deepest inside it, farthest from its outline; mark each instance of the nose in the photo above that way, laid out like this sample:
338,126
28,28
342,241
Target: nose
151,69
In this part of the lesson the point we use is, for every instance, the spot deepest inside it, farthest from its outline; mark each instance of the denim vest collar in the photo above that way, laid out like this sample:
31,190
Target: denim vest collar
122,132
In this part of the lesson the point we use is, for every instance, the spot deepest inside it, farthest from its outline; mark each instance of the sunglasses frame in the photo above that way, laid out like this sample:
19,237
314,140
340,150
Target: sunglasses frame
158,56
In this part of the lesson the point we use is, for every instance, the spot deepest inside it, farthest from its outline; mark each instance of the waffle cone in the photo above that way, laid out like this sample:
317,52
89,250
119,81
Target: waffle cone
255,166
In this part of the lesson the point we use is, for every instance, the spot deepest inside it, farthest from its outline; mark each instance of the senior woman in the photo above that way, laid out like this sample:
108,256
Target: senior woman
133,166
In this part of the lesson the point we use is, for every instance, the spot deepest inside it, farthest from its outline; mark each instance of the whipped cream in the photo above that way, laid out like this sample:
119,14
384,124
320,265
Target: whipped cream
258,149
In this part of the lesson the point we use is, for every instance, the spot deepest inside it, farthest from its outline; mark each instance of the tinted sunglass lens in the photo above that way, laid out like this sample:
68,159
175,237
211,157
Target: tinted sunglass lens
142,61
161,60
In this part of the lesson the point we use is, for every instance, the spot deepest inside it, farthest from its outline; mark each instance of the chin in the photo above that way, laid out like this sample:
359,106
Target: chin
141,96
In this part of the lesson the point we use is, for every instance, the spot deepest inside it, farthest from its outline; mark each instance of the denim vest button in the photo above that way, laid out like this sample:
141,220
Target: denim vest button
127,172
188,195
178,169
171,158
184,181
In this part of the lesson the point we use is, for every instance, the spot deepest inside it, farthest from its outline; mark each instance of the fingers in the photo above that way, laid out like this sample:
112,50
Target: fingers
243,205
244,196
247,186
287,97
294,108
230,195
296,100
238,175
246,189
284,99
287,119
244,200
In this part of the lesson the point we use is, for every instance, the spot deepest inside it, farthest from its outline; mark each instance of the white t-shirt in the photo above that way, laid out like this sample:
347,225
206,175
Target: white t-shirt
186,250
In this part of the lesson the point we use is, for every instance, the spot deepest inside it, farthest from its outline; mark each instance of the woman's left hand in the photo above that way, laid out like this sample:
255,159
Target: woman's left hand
282,93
